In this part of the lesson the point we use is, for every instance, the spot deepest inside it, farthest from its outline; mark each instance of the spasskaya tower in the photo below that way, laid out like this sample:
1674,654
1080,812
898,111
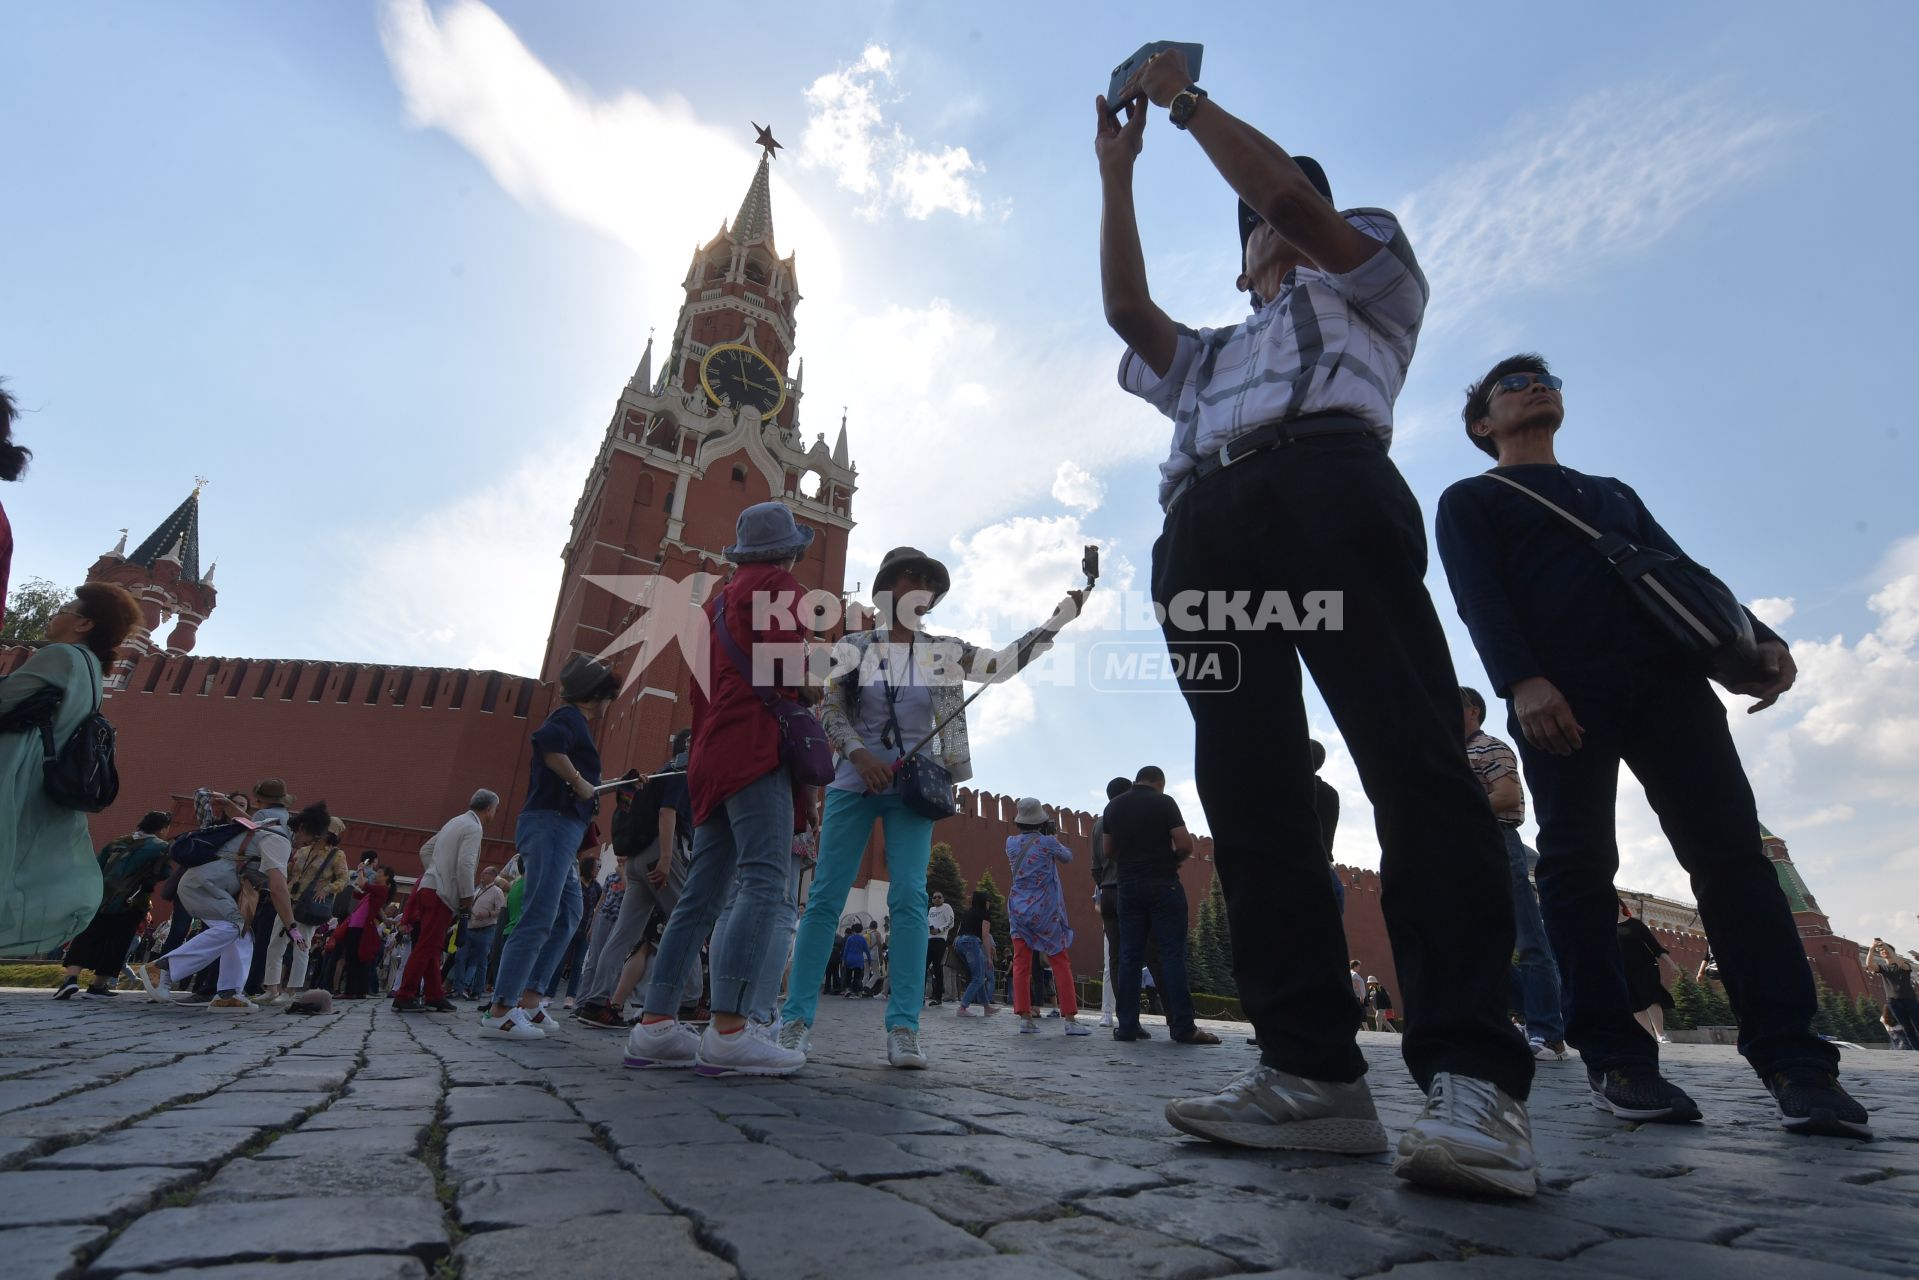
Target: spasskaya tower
716,430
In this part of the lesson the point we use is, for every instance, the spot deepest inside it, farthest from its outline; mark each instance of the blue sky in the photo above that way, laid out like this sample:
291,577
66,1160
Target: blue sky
380,270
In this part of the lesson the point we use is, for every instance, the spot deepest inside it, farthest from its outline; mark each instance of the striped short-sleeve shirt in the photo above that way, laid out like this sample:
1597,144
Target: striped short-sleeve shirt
1327,343
1492,760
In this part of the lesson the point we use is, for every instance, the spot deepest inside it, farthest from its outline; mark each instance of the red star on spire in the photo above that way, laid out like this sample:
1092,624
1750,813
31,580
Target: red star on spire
766,138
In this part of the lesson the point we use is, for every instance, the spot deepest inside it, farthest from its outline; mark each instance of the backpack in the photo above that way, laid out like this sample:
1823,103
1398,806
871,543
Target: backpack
197,848
81,775
127,871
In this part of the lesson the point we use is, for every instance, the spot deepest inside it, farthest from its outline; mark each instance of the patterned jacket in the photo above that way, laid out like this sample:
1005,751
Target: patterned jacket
944,664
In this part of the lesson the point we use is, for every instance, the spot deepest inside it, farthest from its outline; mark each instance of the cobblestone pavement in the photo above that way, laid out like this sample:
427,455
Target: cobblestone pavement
140,1138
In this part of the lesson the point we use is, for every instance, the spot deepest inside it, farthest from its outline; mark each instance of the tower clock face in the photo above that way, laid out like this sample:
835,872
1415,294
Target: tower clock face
742,376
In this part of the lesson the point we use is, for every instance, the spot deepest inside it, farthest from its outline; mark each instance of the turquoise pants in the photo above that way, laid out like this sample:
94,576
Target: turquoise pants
844,829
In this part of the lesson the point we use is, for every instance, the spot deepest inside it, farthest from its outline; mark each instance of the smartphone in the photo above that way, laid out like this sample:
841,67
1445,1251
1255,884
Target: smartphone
1089,563
1128,69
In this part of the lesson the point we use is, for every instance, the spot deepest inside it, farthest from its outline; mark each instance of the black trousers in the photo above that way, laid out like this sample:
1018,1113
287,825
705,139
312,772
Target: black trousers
936,968
1331,514
1669,728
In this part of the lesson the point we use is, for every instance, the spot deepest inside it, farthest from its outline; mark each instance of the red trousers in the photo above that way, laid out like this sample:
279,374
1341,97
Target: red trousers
422,976
1023,981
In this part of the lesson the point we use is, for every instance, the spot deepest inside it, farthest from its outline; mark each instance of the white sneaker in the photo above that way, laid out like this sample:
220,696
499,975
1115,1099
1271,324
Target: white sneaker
797,1036
1106,1020
744,1054
1472,1137
665,1045
1545,1052
544,1020
903,1049
513,1023
1074,1027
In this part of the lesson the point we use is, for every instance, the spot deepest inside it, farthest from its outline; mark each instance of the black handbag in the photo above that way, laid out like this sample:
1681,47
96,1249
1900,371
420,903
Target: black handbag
924,783
804,748
315,904
1696,612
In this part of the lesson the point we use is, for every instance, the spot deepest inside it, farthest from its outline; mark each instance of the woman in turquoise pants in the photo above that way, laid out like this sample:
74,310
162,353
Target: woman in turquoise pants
888,689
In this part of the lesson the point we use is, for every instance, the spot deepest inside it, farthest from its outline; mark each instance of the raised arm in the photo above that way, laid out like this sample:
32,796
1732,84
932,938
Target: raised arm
1130,309
1261,173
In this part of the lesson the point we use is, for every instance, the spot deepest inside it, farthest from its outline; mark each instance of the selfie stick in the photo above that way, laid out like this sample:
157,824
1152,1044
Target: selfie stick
1089,565
617,783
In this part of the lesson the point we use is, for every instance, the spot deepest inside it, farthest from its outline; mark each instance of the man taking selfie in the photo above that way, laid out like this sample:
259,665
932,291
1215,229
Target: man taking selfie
1278,482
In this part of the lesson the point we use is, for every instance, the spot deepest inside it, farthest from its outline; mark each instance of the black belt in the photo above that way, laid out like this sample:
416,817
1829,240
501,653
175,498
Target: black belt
1265,437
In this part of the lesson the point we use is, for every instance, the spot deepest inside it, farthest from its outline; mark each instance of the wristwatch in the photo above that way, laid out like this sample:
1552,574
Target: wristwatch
1185,102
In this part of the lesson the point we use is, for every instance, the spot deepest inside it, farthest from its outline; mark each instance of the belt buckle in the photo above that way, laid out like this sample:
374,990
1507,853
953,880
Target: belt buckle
1226,458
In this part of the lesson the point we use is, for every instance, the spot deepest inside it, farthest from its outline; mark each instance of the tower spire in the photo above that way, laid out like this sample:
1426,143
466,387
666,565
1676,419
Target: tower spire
840,456
643,376
754,221
177,538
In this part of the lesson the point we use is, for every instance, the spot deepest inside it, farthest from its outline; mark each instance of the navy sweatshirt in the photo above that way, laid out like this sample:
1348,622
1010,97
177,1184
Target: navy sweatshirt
1538,600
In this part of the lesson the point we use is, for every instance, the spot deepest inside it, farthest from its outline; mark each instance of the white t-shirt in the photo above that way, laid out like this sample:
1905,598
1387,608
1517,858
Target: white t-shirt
270,844
912,704
939,919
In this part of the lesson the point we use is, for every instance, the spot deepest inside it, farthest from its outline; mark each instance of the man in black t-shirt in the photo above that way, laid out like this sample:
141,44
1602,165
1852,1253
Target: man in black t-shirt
1145,836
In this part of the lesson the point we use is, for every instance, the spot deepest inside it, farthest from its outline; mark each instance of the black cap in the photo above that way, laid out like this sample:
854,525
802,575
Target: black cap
1249,219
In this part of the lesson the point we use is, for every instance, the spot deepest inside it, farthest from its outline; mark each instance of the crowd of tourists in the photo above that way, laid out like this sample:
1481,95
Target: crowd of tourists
1278,477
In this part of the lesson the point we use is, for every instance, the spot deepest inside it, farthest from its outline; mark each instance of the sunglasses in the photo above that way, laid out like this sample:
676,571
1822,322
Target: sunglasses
1520,381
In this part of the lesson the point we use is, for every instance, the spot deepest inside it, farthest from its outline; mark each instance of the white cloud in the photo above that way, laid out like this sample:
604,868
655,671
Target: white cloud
552,145
848,134
470,583
1076,487
1558,195
1773,610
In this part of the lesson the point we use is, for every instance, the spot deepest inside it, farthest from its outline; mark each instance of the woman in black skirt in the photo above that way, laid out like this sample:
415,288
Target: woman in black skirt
130,868
1640,951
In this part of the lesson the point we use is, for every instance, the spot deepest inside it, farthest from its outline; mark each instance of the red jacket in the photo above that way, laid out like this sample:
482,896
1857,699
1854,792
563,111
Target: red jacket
736,741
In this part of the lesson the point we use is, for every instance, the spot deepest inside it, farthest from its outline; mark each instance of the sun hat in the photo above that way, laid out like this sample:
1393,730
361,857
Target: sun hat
911,559
767,531
272,791
584,679
1029,812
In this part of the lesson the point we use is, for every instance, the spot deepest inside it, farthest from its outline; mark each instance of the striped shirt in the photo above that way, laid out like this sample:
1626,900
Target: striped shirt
1492,760
1327,343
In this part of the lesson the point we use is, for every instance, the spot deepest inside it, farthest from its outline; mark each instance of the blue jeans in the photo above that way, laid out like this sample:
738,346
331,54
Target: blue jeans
1535,982
844,829
548,841
979,974
750,835
763,997
1158,907
469,963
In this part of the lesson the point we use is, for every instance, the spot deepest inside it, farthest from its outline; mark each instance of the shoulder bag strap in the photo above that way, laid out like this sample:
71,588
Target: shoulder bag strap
1549,504
737,657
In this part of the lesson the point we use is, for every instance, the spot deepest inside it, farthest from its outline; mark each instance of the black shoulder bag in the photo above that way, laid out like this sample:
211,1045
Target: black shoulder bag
924,783
80,774
1696,612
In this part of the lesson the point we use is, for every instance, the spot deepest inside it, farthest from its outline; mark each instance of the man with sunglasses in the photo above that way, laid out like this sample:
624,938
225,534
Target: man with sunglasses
1590,682
1277,486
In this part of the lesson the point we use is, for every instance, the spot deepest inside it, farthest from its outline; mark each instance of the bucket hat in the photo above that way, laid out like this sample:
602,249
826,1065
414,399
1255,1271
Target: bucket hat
1029,812
767,531
904,559
585,680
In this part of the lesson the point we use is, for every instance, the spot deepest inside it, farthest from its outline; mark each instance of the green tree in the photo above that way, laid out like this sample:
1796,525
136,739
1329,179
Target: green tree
943,876
1199,950
1872,1031
1689,1003
30,606
1002,932
1220,955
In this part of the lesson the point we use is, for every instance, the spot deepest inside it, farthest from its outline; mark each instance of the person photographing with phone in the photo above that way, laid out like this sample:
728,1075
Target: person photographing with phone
1277,480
